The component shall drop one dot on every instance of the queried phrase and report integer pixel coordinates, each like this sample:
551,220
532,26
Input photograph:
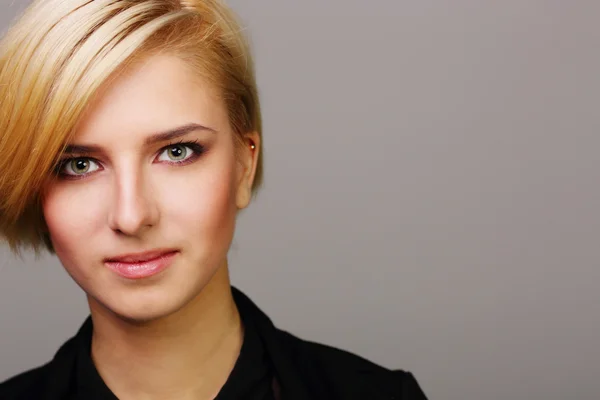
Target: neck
188,354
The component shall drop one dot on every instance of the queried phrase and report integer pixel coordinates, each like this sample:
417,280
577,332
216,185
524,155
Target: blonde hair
57,55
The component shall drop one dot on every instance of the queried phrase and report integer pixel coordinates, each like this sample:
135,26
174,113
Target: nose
134,207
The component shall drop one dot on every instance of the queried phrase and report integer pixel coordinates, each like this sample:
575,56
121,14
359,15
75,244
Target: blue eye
176,152
78,166
181,153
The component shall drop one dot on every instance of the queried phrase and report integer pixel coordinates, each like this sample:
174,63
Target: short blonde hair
57,55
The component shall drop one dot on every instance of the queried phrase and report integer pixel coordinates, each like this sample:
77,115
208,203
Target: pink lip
141,265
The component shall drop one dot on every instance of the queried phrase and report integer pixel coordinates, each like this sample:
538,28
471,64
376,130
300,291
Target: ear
248,160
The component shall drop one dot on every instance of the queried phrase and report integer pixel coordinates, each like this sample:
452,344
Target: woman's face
124,189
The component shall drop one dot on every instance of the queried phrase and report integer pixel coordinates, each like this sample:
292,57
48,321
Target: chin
150,299
143,304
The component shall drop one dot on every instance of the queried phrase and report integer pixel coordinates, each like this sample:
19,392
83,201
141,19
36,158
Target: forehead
154,94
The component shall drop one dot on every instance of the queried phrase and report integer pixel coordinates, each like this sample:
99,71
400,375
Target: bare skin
176,334
187,355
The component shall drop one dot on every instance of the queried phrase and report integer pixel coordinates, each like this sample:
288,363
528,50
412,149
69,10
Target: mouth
141,265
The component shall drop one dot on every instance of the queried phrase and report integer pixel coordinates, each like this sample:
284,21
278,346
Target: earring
252,145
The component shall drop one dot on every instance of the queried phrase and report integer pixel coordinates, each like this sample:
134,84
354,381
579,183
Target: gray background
431,197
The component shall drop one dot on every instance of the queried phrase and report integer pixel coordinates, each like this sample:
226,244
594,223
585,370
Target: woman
131,139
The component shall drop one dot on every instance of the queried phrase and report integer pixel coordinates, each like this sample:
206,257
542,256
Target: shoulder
20,386
318,371
347,374
48,381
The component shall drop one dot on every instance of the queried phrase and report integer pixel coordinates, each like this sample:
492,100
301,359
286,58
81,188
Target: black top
272,362
252,375
250,379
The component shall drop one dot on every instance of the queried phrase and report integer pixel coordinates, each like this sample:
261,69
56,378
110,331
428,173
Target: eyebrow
156,138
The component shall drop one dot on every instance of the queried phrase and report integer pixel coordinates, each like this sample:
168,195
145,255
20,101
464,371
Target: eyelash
197,150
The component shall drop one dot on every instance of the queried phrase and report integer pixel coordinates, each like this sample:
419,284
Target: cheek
202,207
72,215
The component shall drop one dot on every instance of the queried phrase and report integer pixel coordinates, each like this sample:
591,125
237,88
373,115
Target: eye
78,166
180,152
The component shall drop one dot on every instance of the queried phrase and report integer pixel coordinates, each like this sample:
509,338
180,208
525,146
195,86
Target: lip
140,257
141,265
